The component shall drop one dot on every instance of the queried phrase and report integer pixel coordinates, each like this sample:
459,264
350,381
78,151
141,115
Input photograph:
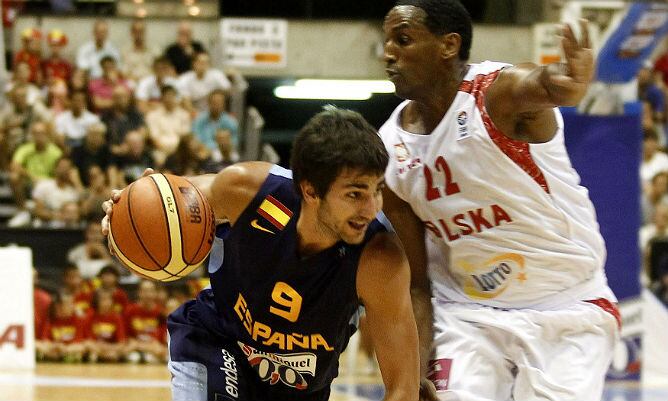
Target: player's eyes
403,39
353,195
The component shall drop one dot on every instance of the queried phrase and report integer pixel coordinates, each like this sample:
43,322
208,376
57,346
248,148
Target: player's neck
425,113
311,238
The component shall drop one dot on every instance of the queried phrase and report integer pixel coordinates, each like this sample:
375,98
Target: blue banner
632,42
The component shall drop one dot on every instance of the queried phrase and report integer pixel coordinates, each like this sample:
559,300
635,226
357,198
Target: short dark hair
167,88
108,269
446,16
107,58
331,141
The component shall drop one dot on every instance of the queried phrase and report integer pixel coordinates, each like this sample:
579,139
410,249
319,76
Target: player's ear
450,45
308,191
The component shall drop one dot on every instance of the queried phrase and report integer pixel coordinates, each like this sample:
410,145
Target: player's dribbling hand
107,206
578,69
427,390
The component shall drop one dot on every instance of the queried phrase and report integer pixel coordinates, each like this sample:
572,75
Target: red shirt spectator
30,53
65,330
56,67
42,301
144,323
108,327
108,276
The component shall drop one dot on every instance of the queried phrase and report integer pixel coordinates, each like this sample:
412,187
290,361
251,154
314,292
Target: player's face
351,204
411,51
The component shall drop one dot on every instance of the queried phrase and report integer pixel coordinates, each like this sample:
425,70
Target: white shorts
487,354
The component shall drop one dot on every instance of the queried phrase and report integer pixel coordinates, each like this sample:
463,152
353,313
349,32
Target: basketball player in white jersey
488,206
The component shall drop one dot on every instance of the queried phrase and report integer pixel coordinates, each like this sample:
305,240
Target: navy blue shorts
206,366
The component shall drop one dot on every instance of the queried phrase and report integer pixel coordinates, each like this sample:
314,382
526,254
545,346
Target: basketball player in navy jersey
298,254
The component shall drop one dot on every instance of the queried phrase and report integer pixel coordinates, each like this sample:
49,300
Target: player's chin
354,233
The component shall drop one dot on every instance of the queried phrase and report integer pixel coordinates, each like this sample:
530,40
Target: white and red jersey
507,222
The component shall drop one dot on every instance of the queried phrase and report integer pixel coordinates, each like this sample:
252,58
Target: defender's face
352,202
411,51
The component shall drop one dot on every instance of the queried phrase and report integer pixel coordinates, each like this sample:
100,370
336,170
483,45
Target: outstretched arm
520,101
383,282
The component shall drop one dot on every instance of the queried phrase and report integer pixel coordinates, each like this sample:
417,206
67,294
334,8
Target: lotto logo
439,373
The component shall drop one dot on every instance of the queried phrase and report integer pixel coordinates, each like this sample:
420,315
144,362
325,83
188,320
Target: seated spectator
136,158
102,89
654,160
16,117
655,194
218,130
57,99
56,67
106,330
148,92
70,217
95,194
20,76
192,157
30,53
81,290
79,80
181,52
91,255
146,327
121,119
653,100
93,152
52,194
91,53
196,85
167,124
41,304
108,277
137,57
72,125
32,161
64,333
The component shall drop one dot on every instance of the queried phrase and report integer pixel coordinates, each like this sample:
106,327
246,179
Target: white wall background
320,49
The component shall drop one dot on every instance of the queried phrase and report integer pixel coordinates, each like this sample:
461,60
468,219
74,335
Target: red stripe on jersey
609,307
279,205
517,151
270,219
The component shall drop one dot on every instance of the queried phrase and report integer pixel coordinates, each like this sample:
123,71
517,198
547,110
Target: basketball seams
178,215
136,268
136,232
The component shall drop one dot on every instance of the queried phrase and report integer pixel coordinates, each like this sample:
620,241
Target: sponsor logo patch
288,369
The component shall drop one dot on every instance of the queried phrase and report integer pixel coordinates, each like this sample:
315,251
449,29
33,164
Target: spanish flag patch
275,212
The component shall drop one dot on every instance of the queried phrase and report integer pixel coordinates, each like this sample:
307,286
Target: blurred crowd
72,129
653,238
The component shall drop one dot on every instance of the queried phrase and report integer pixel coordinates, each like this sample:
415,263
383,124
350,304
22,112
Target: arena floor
60,382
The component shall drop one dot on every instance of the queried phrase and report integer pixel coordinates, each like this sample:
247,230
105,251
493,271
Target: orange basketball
162,227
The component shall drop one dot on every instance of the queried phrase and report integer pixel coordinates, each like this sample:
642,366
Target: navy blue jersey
290,315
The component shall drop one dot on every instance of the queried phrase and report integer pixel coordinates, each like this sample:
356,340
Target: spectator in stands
146,327
148,92
655,194
181,53
81,290
167,124
16,118
56,67
196,85
21,76
51,195
121,119
657,228
70,217
653,100
73,124
57,99
109,276
660,286
93,152
91,255
91,53
132,164
64,333
192,157
661,67
32,161
654,160
31,54
79,80
41,303
137,57
218,130
102,89
106,330
95,194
